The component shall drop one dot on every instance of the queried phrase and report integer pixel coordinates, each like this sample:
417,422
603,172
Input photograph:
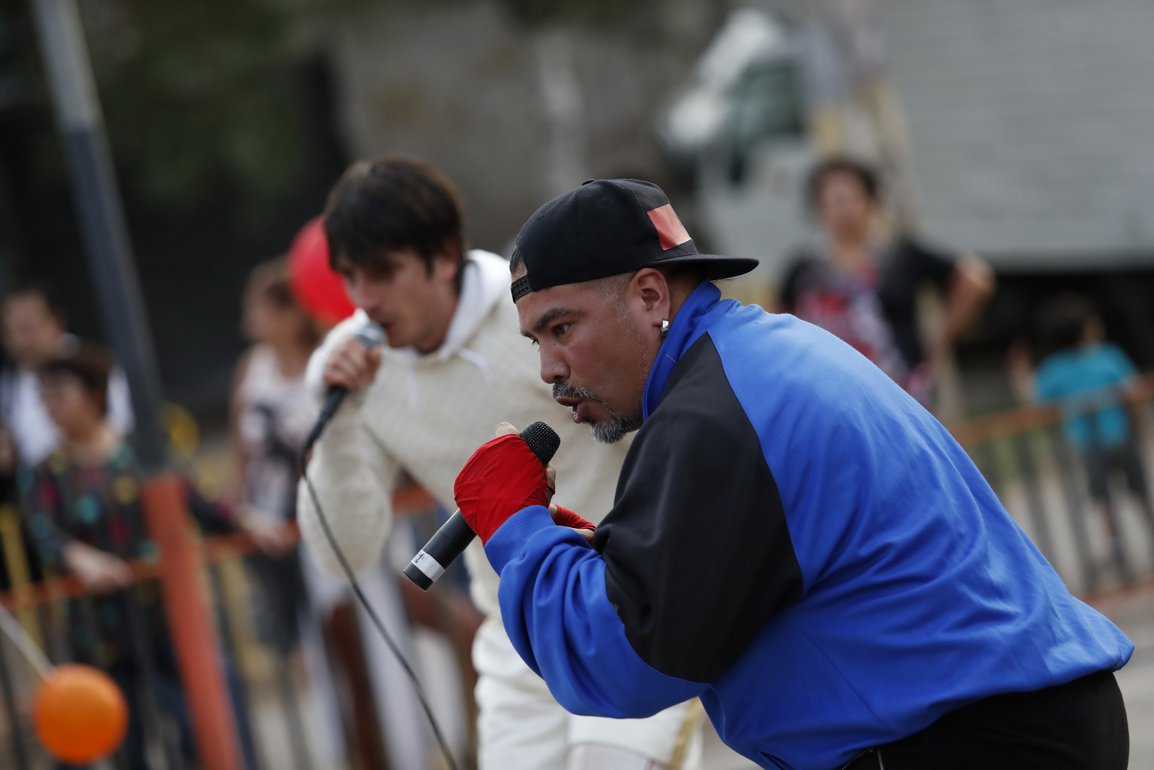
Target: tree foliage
199,94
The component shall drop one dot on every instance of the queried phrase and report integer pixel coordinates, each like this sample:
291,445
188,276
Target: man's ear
453,248
652,289
450,259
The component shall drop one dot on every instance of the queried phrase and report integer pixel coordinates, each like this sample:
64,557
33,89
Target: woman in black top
860,281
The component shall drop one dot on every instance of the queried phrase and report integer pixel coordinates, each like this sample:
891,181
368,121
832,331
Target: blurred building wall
461,85
1030,126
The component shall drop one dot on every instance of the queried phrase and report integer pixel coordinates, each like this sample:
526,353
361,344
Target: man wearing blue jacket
794,539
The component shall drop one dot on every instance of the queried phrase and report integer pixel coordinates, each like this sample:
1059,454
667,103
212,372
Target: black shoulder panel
698,554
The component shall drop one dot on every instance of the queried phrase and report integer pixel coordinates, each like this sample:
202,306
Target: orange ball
80,714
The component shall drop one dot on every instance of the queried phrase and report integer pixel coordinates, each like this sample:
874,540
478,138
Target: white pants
521,726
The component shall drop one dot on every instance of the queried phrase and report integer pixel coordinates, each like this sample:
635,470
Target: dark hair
516,260
272,281
865,174
42,290
393,203
1062,320
89,365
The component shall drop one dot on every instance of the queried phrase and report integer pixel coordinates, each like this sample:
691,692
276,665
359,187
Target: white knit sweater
428,413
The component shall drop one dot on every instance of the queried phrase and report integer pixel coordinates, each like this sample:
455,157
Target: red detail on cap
670,231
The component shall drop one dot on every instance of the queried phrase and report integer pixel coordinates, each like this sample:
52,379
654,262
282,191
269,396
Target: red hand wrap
567,518
501,478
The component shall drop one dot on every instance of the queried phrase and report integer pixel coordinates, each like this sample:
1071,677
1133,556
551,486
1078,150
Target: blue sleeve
560,620
1123,369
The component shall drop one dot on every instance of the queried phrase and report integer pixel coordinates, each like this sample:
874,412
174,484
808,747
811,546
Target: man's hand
352,365
561,515
567,518
98,570
501,478
508,429
272,538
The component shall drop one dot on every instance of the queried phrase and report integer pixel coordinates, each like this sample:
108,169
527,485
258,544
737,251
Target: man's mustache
565,390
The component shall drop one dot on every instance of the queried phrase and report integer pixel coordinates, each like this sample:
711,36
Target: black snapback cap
607,227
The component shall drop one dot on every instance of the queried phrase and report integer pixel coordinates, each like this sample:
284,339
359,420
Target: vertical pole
1067,461
238,691
826,82
1028,471
97,202
19,573
12,714
201,668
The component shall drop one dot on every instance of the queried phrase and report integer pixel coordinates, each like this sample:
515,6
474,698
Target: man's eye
560,330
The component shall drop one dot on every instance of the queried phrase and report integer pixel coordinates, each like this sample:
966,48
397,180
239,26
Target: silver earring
664,326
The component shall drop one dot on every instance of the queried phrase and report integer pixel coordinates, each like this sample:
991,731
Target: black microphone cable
377,622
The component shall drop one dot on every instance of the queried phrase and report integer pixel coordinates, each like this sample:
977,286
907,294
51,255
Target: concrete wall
458,84
1030,124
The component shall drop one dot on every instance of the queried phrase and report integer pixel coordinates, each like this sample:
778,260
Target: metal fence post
8,692
190,620
1037,508
1075,510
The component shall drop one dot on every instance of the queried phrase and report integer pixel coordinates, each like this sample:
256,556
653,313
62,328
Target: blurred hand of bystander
271,537
98,570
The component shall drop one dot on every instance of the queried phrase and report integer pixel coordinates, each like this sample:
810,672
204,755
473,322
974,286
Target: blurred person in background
34,331
9,499
859,278
453,366
271,413
1090,380
85,518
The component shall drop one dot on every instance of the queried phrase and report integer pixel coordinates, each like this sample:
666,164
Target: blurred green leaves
209,95
204,94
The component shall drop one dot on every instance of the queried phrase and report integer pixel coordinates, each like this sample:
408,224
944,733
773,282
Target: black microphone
454,536
370,335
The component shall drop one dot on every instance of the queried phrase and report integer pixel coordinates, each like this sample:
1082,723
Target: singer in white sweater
454,365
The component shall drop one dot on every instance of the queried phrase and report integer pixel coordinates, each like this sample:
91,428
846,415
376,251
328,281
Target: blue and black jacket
800,544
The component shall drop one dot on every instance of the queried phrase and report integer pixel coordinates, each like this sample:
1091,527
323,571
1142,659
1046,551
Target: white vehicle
1023,131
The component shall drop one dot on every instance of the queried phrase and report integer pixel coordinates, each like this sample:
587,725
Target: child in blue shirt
1089,379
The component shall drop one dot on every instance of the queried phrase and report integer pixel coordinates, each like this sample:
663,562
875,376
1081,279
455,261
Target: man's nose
553,369
360,295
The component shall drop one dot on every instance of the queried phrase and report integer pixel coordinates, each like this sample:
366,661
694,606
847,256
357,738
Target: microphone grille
371,335
543,440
